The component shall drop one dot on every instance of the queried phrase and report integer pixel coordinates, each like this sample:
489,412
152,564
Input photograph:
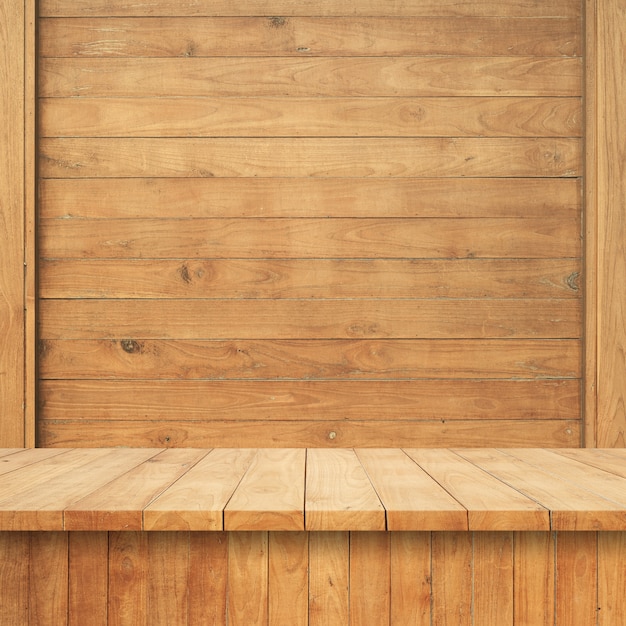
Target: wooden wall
313,579
309,224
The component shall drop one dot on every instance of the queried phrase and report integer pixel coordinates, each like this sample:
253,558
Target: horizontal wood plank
319,76
306,157
336,238
308,359
321,197
548,8
315,278
270,495
314,433
309,319
320,400
305,36
307,117
339,494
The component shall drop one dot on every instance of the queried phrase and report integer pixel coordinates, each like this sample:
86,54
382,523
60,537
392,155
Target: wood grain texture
208,578
550,8
321,197
306,157
452,578
577,566
549,571
329,578
248,578
119,504
534,578
276,401
270,495
411,578
311,238
304,278
128,577
288,587
308,36
611,224
404,489
47,598
345,359
490,503
293,117
314,433
12,216
322,76
339,495
199,497
88,585
611,577
273,200
168,563
492,571
310,319
370,578
14,577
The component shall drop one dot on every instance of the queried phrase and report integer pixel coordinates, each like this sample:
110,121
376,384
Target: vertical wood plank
30,221
611,578
370,578
576,579
88,578
247,578
12,331
493,578
410,578
611,190
533,577
168,567
14,569
452,578
590,224
48,585
329,578
208,576
128,578
288,578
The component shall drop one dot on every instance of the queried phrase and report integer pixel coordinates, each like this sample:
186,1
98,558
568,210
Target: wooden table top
312,489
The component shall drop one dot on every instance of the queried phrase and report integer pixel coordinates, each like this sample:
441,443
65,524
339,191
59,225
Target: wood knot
277,22
131,346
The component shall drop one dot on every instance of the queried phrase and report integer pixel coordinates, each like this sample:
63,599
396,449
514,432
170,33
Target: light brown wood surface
289,117
550,575
12,216
432,433
318,76
199,497
339,495
270,496
320,489
241,207
322,197
550,8
308,36
611,228
491,503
